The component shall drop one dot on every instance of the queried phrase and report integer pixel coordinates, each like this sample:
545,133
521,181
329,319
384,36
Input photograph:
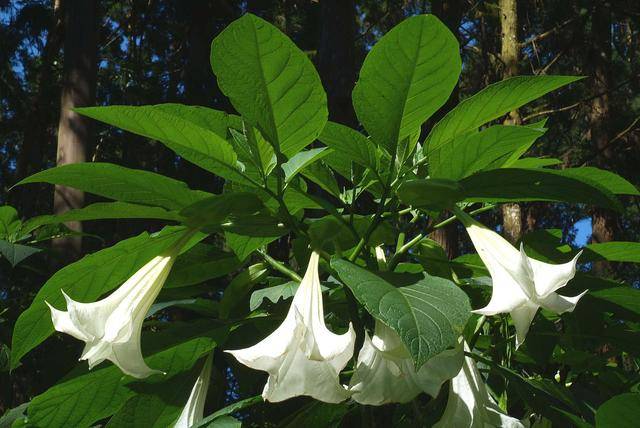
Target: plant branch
279,266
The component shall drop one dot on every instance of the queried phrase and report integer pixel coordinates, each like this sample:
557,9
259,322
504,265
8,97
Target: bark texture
604,222
78,90
509,52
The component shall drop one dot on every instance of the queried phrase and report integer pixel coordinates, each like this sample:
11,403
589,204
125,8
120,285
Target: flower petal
267,355
193,411
561,304
551,277
522,317
469,403
128,357
63,323
506,294
440,368
379,380
298,375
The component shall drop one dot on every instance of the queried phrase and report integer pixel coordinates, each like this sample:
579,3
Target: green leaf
201,263
15,253
195,133
474,152
273,294
243,245
85,281
93,395
301,160
533,163
120,183
318,415
101,211
12,415
491,103
9,221
215,209
271,82
431,193
350,143
429,315
231,408
607,179
621,411
622,296
406,77
225,422
613,252
239,287
252,147
536,184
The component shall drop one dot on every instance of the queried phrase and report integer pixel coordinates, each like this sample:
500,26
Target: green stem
280,267
421,236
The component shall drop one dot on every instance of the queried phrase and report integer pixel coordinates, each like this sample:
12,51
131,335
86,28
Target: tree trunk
449,12
604,222
39,116
511,213
78,90
337,57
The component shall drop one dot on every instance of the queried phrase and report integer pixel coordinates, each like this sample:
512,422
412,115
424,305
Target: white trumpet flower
469,403
193,411
521,284
302,356
385,372
112,327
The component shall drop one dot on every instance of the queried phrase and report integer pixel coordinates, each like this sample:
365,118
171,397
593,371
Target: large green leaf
195,133
491,103
429,314
536,184
100,211
273,294
85,281
613,251
350,143
82,400
201,263
239,287
271,82
622,411
607,179
474,152
301,160
408,75
120,183
431,193
213,210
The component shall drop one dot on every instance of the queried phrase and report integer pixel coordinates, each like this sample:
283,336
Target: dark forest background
58,54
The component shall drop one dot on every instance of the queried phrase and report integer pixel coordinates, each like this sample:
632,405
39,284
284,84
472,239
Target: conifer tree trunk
604,222
78,90
511,213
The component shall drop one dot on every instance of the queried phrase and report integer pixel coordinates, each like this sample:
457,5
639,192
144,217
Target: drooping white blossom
385,372
521,284
112,327
302,356
469,404
193,411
